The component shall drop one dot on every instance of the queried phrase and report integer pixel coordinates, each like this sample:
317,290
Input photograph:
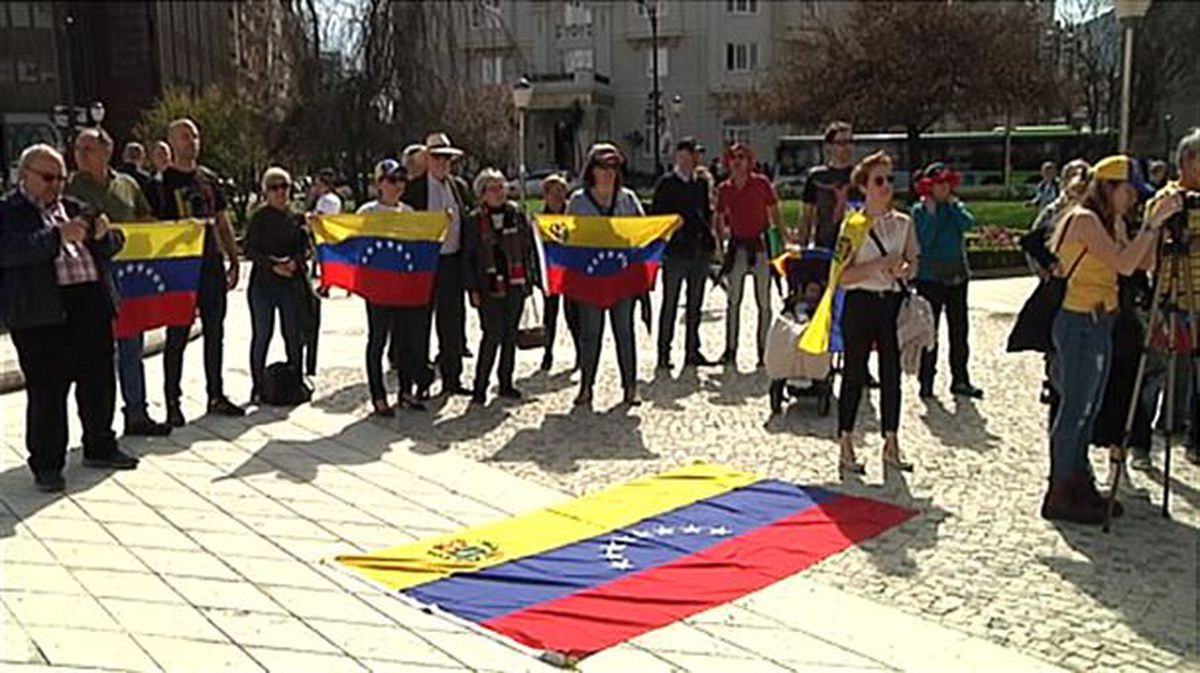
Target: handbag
1031,331
531,334
915,327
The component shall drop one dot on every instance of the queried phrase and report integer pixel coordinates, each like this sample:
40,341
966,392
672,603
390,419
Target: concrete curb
11,378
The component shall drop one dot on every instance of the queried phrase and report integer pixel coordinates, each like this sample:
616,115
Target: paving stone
183,655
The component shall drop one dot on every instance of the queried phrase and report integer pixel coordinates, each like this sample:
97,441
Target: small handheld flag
158,275
386,258
602,260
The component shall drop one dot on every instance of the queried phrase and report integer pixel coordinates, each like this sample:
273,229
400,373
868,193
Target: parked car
533,182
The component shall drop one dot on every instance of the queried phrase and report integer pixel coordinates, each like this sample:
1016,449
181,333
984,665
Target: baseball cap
1121,168
687,143
390,168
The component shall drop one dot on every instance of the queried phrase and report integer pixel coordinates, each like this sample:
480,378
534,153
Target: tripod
1172,284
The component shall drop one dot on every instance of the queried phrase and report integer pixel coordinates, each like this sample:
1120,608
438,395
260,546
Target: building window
741,56
28,72
662,62
660,8
741,6
492,69
485,13
43,15
20,14
733,132
577,13
576,60
7,76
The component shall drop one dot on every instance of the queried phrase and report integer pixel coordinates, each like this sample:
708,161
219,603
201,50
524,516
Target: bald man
192,190
58,301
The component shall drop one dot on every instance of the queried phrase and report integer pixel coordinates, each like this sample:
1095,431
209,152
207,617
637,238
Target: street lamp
1128,13
522,94
650,7
675,132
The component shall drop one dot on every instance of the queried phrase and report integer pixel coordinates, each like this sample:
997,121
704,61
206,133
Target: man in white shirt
328,202
438,189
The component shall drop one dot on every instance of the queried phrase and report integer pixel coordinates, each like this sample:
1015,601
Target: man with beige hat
438,189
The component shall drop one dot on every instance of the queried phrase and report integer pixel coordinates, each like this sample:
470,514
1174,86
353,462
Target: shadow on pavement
565,439
964,427
732,388
20,497
541,383
665,392
432,436
299,460
1145,569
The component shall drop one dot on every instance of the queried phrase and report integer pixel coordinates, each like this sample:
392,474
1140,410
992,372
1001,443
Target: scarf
501,239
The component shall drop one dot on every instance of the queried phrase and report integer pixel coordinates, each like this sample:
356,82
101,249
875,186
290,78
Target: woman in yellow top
1092,250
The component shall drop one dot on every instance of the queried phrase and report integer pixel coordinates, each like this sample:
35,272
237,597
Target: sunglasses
51,178
278,187
881,180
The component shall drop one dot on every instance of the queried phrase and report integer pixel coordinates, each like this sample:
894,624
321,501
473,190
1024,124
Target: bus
977,155
19,130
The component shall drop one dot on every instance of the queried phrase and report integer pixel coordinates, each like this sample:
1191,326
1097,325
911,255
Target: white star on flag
663,531
643,534
719,531
622,564
691,529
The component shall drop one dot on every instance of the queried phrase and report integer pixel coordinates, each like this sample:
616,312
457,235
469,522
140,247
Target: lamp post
1167,119
676,113
650,7
1128,13
522,94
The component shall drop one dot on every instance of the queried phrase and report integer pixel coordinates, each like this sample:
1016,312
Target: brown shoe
1067,500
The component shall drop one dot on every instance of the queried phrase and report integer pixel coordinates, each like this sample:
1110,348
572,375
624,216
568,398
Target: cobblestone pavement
201,559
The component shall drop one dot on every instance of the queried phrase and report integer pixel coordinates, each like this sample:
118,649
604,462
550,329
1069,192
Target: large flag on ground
158,275
602,260
386,258
598,570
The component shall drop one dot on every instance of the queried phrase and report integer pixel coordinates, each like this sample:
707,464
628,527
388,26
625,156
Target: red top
745,207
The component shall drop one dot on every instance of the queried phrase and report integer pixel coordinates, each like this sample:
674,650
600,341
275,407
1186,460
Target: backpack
283,386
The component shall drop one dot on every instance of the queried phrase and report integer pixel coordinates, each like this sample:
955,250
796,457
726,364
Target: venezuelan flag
817,337
602,260
386,258
582,576
158,275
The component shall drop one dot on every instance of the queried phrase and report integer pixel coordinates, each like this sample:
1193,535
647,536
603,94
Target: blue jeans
1082,355
132,375
266,296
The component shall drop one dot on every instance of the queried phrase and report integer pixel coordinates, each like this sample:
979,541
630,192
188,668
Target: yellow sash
815,339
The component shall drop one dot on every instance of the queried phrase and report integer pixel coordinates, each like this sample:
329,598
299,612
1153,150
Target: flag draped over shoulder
586,574
816,338
158,275
386,258
602,260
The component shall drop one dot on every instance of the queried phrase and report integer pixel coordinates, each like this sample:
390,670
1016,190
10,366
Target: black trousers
869,318
405,327
52,358
500,317
954,299
450,310
211,302
676,270
570,311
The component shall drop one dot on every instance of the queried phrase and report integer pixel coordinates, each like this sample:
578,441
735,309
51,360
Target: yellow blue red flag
589,573
386,258
158,275
816,338
602,260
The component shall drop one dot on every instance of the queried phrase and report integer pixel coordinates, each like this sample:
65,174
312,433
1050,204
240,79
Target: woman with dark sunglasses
873,280
278,245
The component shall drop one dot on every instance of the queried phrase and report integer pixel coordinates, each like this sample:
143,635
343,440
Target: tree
909,66
232,136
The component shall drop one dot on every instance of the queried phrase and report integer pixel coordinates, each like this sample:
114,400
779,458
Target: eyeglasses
881,180
278,187
51,178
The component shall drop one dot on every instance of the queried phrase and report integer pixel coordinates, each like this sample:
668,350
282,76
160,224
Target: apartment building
590,63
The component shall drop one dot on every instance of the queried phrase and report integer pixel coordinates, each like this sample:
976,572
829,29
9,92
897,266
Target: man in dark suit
438,189
58,298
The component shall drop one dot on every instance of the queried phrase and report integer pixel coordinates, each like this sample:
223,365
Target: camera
1179,232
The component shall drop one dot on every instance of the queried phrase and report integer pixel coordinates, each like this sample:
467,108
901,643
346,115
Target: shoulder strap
1079,258
878,243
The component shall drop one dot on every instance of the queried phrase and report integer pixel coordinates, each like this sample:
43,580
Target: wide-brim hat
1120,168
934,173
439,143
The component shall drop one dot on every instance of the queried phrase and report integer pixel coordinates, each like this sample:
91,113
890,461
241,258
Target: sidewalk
208,556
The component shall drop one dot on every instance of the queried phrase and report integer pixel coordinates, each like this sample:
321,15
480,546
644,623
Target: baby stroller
794,373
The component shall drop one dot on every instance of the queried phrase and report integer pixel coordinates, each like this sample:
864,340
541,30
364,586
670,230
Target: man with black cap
438,189
684,192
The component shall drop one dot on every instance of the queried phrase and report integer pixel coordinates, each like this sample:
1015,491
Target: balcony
560,90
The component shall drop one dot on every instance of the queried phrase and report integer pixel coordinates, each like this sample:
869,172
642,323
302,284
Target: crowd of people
59,296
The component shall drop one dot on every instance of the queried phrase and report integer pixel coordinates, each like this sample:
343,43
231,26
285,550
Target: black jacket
29,292
417,194
473,272
689,200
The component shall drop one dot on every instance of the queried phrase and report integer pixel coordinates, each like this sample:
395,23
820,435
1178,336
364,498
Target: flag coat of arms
157,275
386,258
817,338
601,260
589,573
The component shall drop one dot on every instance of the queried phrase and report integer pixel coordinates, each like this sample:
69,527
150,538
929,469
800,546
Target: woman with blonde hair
873,280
